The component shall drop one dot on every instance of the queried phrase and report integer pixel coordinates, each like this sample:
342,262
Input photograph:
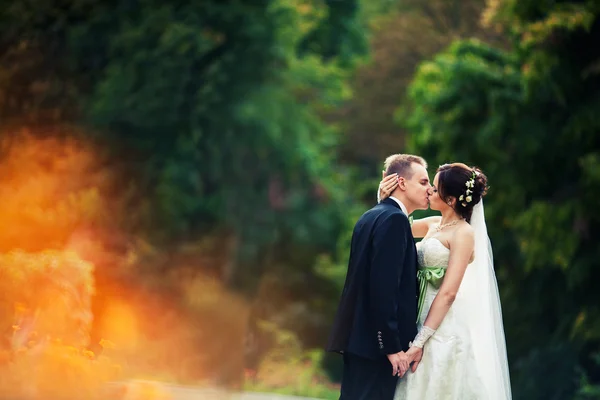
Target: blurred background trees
528,116
210,158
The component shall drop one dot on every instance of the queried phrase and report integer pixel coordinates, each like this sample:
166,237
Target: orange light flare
162,323
49,187
190,331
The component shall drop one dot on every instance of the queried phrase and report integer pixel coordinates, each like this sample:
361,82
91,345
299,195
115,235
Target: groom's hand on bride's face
415,354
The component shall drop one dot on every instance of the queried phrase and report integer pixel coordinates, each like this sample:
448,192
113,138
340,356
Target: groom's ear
401,182
383,174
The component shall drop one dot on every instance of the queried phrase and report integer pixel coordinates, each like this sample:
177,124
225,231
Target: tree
188,129
208,118
529,117
402,34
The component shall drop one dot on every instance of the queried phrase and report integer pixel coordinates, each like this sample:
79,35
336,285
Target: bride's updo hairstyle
467,185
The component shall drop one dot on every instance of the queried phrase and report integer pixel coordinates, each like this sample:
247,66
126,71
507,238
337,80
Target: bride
459,315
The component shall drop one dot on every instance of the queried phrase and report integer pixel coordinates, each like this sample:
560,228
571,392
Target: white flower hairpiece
470,184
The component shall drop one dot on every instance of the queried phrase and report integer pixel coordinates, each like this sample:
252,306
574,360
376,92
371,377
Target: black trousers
365,379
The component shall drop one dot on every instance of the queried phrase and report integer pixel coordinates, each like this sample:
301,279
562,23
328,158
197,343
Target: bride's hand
387,185
415,354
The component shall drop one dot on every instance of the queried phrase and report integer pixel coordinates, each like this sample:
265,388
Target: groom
377,313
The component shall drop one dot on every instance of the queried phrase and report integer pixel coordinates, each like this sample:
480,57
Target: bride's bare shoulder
464,233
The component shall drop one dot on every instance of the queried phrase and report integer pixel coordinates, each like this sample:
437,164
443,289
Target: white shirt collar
402,206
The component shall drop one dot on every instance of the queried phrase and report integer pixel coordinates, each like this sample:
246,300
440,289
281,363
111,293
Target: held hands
401,361
415,354
387,185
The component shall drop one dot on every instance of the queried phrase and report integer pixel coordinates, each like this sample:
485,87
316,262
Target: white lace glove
378,193
423,336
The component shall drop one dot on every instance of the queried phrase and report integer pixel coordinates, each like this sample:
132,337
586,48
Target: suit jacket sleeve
389,240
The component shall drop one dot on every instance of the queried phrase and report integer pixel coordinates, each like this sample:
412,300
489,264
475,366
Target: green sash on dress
433,275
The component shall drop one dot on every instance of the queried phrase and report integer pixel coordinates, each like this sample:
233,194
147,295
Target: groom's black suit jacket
378,308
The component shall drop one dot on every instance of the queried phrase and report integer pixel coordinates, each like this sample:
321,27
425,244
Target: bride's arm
420,227
462,245
461,250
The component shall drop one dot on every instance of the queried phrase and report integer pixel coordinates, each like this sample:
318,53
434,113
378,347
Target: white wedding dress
465,359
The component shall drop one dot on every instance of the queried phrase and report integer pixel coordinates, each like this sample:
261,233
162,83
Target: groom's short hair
401,164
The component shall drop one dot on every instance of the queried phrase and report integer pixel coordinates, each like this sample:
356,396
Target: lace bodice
432,253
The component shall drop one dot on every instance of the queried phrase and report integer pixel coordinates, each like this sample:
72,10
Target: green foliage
212,132
173,92
545,364
589,390
210,114
529,117
206,120
380,83
289,369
